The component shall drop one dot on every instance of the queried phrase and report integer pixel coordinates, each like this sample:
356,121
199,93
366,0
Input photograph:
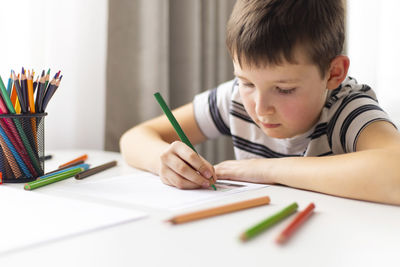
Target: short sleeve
211,110
352,114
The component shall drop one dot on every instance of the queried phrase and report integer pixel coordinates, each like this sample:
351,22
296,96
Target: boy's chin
278,135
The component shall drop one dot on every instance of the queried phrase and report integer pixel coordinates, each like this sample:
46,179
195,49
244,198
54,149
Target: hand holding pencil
181,166
176,171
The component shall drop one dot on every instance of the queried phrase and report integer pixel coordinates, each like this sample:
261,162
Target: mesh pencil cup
21,147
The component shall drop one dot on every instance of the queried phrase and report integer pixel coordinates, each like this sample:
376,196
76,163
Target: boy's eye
285,91
249,85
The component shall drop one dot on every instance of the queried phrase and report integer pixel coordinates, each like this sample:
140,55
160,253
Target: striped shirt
347,111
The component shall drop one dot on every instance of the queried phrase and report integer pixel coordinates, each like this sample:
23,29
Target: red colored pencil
295,224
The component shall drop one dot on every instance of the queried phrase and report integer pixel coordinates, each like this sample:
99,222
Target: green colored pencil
52,179
267,223
175,123
6,96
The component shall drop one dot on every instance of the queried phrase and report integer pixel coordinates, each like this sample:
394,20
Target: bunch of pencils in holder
22,109
21,89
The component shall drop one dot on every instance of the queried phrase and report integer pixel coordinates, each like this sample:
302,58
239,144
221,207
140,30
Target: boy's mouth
270,125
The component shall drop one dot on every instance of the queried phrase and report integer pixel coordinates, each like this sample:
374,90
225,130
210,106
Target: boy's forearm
141,148
372,175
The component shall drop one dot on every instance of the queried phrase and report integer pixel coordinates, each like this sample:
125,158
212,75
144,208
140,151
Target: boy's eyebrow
241,77
287,81
277,81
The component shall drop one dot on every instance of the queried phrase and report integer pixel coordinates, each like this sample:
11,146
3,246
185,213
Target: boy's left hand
249,170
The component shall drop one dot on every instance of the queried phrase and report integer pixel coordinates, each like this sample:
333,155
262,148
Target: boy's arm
372,173
148,146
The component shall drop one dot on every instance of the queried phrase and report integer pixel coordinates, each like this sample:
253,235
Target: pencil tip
48,72
23,70
42,73
280,239
243,237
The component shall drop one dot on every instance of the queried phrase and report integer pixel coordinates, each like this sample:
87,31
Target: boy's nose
264,107
265,110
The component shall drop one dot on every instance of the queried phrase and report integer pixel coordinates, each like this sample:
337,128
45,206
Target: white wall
373,38
66,35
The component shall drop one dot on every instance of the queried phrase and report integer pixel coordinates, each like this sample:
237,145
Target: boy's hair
263,32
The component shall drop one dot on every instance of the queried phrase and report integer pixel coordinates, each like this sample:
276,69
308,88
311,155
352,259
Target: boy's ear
337,71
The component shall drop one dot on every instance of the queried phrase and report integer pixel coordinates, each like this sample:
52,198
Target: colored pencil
175,124
13,96
52,179
39,92
267,223
5,96
58,171
20,94
46,82
47,157
75,163
95,170
16,142
58,81
295,224
35,84
9,85
12,155
206,213
83,157
31,99
31,102
24,89
9,155
49,93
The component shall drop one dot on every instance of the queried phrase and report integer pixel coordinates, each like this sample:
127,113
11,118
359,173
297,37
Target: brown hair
263,32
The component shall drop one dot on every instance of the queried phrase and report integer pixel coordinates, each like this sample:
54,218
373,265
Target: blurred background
114,54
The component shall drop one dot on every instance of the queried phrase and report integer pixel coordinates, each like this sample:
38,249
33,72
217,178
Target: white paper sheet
29,218
146,189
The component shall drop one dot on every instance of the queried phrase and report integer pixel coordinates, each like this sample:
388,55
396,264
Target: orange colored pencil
13,95
83,157
295,224
31,100
188,217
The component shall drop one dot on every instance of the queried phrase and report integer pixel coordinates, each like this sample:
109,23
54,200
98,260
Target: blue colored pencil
85,167
15,153
9,85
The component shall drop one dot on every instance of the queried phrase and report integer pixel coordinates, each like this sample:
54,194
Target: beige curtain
176,47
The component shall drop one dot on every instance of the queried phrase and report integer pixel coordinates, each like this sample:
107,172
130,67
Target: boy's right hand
184,168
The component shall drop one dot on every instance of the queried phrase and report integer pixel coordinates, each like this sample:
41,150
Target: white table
341,232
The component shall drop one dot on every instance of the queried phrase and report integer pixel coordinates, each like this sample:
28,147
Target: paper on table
29,218
146,189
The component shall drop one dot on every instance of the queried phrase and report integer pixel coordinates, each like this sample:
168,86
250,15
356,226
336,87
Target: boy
294,116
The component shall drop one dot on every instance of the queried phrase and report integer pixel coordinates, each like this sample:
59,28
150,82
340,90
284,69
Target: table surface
341,232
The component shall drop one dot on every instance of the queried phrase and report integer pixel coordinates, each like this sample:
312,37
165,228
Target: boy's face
284,100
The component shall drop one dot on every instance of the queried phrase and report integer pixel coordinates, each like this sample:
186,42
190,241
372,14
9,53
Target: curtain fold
176,47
